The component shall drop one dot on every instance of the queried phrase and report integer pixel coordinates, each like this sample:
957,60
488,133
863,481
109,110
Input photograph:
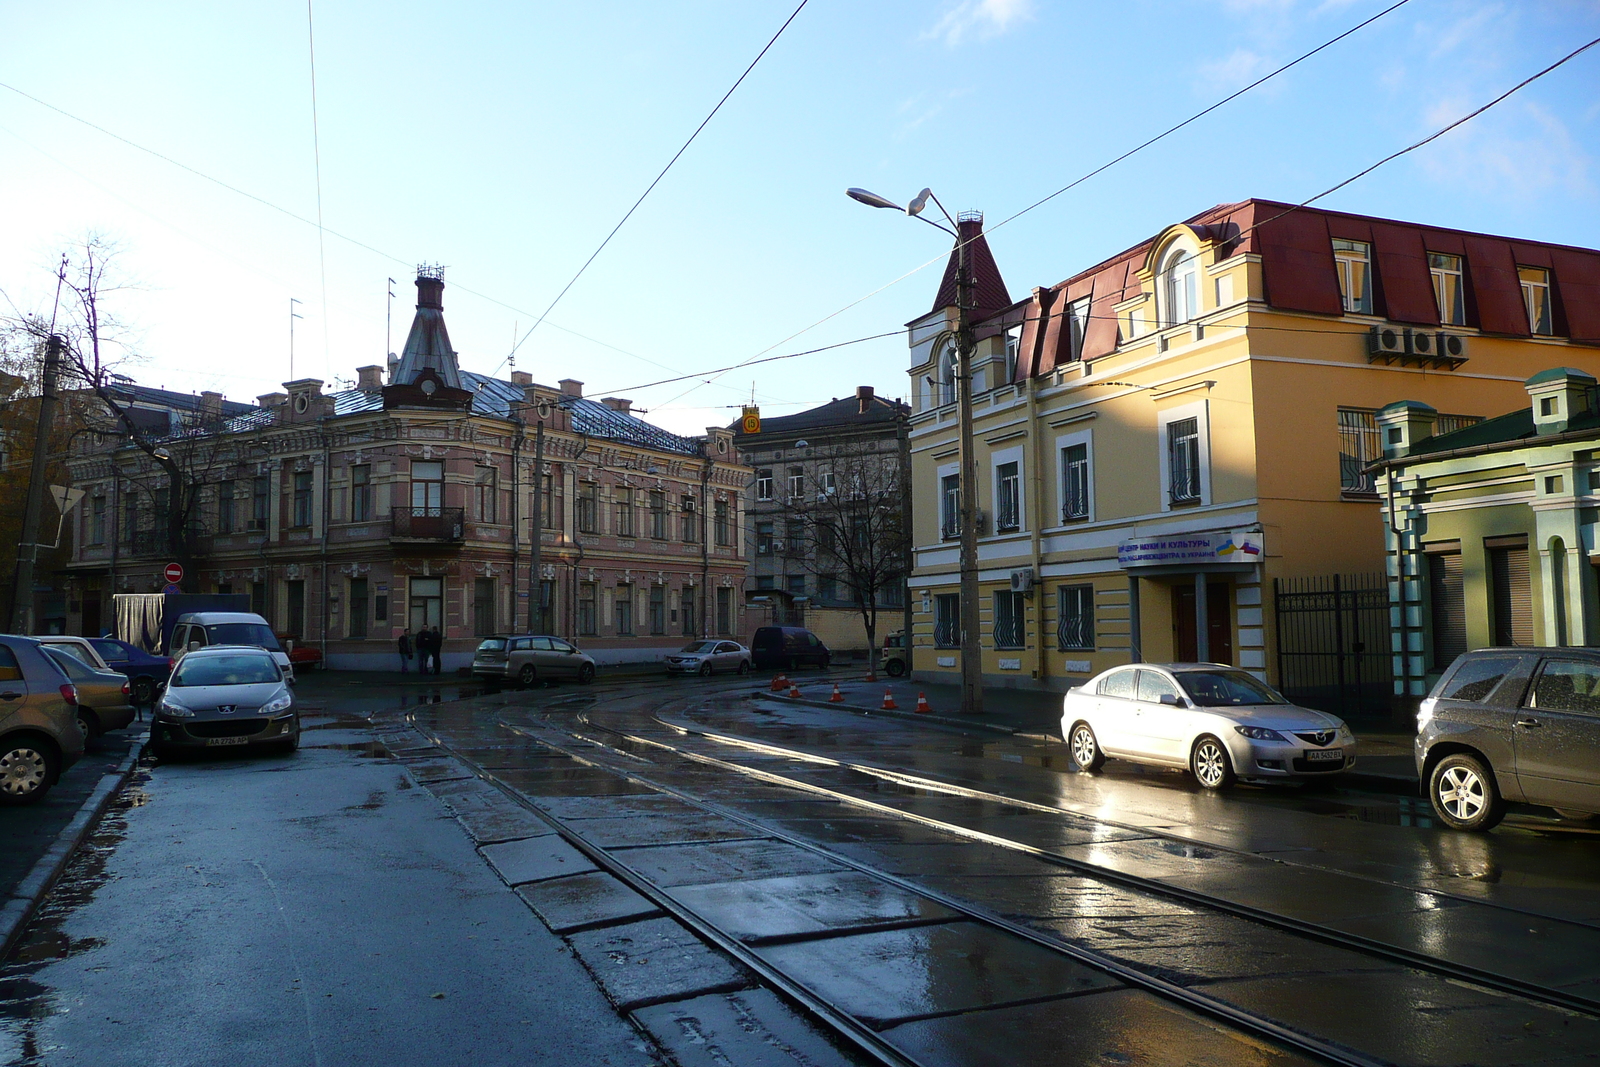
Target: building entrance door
1219,619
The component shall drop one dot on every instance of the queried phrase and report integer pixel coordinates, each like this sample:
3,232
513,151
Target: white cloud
979,19
1234,71
1528,152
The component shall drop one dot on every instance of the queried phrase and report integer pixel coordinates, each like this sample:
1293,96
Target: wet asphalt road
676,872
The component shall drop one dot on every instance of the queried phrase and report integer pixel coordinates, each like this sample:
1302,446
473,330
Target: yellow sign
752,420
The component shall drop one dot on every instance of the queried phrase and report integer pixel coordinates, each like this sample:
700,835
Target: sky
505,140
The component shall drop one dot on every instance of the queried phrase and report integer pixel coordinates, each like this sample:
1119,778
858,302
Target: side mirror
1173,700
195,646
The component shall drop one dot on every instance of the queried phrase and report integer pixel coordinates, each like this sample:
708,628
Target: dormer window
1353,260
1013,350
1536,298
1446,272
1178,287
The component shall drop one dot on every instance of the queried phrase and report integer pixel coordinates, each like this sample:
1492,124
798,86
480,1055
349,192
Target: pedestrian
435,646
405,651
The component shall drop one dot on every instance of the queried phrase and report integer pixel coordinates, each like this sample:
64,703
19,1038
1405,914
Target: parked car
75,646
39,733
103,701
707,657
1216,721
530,658
205,628
787,647
145,672
226,695
1512,724
893,656
302,657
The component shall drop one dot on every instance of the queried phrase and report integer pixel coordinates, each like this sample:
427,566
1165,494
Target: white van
201,629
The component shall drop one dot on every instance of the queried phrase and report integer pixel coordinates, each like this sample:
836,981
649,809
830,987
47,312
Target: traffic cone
838,697
794,690
778,682
888,700
922,705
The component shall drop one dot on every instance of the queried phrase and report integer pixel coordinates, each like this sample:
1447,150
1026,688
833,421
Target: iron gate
1333,643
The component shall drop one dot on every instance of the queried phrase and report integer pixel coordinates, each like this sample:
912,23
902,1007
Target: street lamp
971,654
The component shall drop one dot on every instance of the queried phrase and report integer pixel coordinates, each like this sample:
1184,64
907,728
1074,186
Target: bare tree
851,530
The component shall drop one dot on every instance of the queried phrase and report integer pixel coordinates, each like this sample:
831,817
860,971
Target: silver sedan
223,696
708,657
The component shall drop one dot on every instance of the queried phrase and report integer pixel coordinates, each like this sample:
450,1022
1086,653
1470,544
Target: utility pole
28,545
388,329
907,517
536,539
292,316
971,649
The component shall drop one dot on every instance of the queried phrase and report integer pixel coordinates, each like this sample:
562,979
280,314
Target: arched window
1179,290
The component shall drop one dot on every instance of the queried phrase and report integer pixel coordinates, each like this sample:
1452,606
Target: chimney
272,400
430,287
617,403
369,379
1559,395
210,406
571,387
1402,424
521,378
863,399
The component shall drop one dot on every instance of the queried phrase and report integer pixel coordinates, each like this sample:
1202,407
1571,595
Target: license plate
1325,755
227,740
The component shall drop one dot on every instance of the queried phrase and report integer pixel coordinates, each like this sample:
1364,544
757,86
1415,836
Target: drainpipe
907,517
705,540
536,536
516,520
327,514
1041,661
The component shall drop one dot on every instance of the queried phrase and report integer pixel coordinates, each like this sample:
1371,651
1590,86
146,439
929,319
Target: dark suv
39,732
1512,724
787,647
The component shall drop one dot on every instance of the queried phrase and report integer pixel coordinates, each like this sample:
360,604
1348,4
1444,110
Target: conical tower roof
428,345
988,288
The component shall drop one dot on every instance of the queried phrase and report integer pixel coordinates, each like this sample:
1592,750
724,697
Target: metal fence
1333,643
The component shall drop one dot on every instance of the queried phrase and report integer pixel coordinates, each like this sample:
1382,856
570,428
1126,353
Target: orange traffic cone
778,682
922,705
888,700
794,690
838,697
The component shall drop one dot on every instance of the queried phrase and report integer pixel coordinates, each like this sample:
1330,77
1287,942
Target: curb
31,891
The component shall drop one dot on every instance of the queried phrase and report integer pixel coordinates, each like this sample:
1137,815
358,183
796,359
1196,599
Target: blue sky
505,140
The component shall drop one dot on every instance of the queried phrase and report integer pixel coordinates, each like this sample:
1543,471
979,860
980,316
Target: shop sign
1238,546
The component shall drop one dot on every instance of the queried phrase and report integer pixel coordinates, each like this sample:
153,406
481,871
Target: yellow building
1172,444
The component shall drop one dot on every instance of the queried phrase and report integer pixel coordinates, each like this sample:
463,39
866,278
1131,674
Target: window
1510,593
294,618
765,582
1568,685
427,487
797,483
1008,497
361,492
356,622
794,538
1475,679
1074,617
1075,482
796,584
1121,684
1353,260
1183,460
830,484
724,523
1447,603
1358,446
724,611
764,483
763,538
691,618
483,613
1077,326
1179,288
1154,686
550,503
130,515
380,604
544,619
622,613
589,508
259,488
586,612
258,598
950,506
658,514
689,521
1009,625
487,485
1013,351
97,521
302,498
1446,271
947,620
427,603
1536,298
225,510
625,516
827,587
658,609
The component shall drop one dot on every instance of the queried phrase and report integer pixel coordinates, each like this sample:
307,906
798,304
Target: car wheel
1085,749
744,666
586,674
142,690
289,745
88,726
705,670
1210,763
527,676
1464,796
27,771
895,668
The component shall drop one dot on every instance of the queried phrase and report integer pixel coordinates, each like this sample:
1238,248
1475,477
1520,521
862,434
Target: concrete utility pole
971,650
536,539
28,544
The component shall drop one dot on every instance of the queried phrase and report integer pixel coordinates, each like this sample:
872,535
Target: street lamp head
919,202
870,199
802,443
161,454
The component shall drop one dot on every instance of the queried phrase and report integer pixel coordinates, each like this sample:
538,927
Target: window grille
1074,617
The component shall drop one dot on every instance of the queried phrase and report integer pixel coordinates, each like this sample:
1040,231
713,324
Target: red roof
988,288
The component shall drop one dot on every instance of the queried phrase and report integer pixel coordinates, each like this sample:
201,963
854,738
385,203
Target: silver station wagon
527,659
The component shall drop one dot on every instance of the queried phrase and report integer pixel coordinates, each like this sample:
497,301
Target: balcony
435,525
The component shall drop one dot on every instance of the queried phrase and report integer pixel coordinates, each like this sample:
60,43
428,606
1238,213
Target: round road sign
173,573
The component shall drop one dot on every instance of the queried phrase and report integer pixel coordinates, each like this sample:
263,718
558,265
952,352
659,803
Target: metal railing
428,524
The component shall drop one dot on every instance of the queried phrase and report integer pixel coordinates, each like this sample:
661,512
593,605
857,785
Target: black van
785,647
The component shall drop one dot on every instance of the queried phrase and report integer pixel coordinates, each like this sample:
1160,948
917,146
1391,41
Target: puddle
1391,811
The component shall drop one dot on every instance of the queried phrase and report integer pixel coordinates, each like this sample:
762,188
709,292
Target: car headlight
1260,733
173,711
281,702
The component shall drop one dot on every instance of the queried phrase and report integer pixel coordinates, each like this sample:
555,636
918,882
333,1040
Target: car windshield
1217,689
241,669
700,646
242,633
75,651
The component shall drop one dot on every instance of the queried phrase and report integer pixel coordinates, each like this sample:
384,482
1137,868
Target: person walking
405,650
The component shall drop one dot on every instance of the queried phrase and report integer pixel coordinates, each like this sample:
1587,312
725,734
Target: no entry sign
173,573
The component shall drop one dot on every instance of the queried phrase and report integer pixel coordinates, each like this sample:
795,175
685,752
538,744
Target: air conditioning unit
1452,345
1422,343
779,545
1385,341
763,550
1022,580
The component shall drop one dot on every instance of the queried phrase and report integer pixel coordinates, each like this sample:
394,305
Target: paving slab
770,908
1304,894
654,961
579,901
437,768
1156,857
748,1029
1123,1026
534,859
953,858
616,807
568,781
1052,895
661,829
724,861
486,813
894,975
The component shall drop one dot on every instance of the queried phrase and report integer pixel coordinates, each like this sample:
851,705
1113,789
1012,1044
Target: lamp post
971,653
